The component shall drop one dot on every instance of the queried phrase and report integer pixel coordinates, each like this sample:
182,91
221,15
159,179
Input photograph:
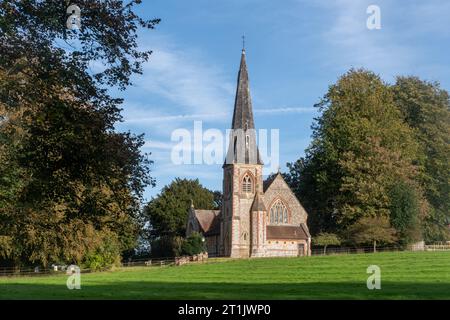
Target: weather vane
243,42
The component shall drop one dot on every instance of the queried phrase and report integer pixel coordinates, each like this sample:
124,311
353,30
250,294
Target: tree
72,184
166,246
436,227
361,147
425,107
217,199
326,239
370,230
167,213
405,209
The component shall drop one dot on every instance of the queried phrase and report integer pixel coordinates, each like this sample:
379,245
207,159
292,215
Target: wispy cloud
352,44
427,17
187,79
177,117
158,145
213,117
282,111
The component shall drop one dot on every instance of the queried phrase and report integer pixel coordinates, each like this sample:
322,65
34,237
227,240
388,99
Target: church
258,218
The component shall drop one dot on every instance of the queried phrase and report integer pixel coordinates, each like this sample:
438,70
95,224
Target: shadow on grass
186,290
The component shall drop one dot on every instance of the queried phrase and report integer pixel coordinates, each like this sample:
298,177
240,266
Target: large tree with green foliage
70,184
361,147
167,213
425,107
404,212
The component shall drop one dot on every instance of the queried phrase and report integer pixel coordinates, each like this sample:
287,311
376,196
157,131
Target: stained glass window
278,213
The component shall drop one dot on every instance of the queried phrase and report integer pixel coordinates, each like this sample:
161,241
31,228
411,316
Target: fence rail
437,247
320,251
62,269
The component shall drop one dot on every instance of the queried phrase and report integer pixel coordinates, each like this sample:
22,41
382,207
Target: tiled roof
287,232
243,114
258,204
209,221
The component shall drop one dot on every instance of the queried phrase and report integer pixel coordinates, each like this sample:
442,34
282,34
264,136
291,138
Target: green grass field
404,275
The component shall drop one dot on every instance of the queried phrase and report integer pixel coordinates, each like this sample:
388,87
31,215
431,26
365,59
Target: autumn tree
70,185
372,230
361,147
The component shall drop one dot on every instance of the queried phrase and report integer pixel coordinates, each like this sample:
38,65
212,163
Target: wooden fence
62,269
437,247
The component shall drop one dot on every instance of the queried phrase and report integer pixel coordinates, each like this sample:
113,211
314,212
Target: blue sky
295,50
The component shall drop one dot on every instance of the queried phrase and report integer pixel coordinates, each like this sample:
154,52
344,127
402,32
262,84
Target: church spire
243,148
243,113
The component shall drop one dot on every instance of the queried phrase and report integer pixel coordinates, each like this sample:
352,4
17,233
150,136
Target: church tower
243,212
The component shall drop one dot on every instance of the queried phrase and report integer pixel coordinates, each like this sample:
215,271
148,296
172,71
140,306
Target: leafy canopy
167,213
68,180
369,230
361,146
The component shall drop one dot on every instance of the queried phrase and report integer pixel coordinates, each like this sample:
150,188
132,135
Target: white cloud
144,118
187,79
176,117
273,111
158,145
352,44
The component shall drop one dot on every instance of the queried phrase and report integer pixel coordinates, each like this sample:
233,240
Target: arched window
247,184
278,213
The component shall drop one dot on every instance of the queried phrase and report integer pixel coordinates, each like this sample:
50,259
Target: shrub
192,245
105,255
326,239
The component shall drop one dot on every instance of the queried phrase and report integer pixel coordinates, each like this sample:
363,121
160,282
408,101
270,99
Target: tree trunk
374,246
324,250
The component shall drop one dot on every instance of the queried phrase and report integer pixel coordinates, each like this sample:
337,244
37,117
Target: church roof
287,232
258,204
209,221
270,179
243,113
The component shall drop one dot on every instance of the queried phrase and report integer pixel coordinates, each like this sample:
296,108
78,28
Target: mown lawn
404,275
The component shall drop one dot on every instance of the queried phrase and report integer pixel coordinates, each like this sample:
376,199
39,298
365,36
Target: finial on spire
243,43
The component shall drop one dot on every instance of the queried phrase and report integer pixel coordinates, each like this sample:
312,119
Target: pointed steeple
243,148
243,113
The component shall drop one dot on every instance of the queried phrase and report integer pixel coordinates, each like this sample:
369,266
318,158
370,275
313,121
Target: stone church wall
285,248
280,190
